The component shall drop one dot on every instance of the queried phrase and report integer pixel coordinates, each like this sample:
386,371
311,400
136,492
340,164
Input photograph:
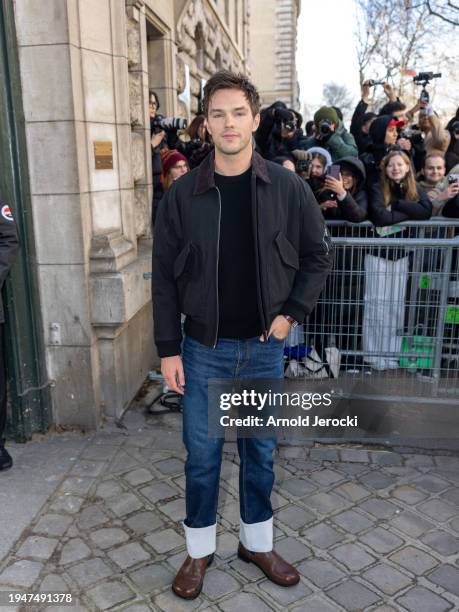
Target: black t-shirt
237,285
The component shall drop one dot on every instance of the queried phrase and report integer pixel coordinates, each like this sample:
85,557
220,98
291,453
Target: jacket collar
205,179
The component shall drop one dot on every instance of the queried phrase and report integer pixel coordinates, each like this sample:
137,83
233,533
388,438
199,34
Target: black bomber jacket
292,248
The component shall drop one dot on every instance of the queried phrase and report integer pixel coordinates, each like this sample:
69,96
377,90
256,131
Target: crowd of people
392,165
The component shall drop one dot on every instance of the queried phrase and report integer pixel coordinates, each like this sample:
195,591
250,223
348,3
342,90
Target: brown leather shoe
272,565
188,581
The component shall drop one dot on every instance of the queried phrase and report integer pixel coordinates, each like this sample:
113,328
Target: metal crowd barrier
389,314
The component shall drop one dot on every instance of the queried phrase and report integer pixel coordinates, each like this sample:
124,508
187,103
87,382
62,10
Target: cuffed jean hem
257,537
200,541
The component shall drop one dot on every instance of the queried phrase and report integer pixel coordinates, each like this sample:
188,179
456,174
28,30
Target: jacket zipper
216,269
257,246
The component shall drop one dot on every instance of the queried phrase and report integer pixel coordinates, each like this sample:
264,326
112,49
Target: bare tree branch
397,35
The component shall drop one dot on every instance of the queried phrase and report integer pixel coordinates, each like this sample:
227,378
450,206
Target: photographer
442,190
362,119
318,161
279,132
331,134
195,144
157,136
164,134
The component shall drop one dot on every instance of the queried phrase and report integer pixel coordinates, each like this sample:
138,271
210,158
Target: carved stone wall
138,104
219,44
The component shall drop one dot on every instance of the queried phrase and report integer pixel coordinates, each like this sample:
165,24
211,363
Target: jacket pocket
183,260
284,265
287,252
188,277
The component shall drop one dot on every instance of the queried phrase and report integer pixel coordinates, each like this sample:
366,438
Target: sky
326,49
326,52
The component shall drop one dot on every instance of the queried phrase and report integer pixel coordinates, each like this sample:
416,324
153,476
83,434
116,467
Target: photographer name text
271,421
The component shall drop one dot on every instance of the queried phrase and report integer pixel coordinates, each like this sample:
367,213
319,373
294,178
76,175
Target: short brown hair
224,79
434,153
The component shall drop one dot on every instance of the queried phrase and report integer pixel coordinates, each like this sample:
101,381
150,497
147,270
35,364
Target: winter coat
399,209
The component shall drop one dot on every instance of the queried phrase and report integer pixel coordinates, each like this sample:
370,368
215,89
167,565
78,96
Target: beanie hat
326,112
169,157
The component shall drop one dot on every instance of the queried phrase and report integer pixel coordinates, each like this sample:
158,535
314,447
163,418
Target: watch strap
291,320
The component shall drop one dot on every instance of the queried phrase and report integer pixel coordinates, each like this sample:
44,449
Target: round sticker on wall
6,213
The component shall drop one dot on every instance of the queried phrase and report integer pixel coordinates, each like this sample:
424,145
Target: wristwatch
291,320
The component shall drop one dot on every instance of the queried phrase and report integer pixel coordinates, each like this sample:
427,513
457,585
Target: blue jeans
233,359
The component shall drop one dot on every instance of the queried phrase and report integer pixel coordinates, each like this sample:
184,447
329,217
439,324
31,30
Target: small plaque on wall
103,153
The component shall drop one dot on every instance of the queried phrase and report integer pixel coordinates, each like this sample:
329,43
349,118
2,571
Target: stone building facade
85,68
272,64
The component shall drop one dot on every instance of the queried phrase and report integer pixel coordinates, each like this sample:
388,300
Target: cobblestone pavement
367,529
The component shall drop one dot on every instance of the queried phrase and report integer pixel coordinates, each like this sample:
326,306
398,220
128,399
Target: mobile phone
334,171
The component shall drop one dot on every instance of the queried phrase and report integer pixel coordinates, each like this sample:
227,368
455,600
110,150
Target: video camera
168,124
424,78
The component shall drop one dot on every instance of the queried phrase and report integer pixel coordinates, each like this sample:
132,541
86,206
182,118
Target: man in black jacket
8,247
241,249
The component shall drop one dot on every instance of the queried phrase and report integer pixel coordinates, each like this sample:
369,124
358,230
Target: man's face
434,169
391,135
230,121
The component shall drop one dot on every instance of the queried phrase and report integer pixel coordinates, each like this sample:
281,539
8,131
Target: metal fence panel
389,314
